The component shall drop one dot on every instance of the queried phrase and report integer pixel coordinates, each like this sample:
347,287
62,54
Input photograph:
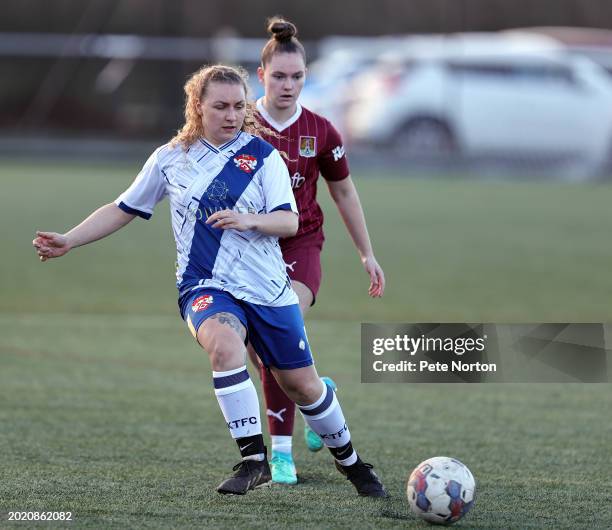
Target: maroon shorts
302,257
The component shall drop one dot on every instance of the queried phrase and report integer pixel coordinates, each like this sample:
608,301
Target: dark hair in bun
281,30
282,39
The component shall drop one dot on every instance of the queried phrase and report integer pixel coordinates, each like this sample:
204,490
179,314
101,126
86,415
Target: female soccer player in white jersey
230,201
313,147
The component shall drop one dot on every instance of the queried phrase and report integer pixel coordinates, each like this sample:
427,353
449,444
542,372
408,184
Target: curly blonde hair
195,90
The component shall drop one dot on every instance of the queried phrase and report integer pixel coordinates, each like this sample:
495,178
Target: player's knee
305,392
218,359
224,352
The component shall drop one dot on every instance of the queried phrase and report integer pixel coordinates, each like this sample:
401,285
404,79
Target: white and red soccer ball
441,490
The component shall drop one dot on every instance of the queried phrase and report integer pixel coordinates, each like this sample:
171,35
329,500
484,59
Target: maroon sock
280,410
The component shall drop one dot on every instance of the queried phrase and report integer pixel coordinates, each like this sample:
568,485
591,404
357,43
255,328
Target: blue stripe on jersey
133,211
209,146
221,147
222,193
283,207
287,286
226,145
230,380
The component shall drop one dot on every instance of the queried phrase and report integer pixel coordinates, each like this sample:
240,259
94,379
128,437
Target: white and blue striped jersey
247,175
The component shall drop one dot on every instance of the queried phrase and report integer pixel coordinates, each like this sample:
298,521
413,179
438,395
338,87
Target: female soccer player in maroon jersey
312,147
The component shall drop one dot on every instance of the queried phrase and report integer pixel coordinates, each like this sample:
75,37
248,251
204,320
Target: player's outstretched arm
345,196
281,223
101,223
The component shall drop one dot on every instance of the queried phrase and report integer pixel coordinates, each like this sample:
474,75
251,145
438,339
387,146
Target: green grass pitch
106,405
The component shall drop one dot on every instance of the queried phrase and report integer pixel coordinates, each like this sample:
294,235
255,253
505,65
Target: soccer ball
441,490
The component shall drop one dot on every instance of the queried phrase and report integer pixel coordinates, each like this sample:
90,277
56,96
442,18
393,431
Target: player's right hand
50,245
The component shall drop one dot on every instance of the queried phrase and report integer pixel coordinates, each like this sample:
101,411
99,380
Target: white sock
281,444
325,417
238,400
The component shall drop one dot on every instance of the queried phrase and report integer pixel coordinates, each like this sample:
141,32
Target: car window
549,73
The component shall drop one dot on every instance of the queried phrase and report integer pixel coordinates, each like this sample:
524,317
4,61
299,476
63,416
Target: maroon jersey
312,146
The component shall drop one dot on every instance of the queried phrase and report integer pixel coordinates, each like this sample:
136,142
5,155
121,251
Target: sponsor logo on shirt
217,191
297,180
201,303
308,146
246,163
338,152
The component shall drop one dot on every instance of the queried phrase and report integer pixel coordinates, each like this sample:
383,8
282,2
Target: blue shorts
277,333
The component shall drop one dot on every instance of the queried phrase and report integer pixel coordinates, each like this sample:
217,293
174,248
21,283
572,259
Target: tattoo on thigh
232,321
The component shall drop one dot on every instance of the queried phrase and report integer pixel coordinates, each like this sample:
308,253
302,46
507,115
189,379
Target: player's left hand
231,220
377,276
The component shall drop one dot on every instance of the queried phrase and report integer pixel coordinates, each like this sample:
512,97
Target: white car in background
328,80
483,94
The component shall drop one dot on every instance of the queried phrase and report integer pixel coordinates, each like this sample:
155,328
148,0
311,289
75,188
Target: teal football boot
283,468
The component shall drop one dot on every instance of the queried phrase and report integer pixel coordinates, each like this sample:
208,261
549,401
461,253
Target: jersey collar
221,147
278,126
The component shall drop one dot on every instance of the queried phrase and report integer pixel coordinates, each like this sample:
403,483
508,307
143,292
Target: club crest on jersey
246,163
308,146
201,303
